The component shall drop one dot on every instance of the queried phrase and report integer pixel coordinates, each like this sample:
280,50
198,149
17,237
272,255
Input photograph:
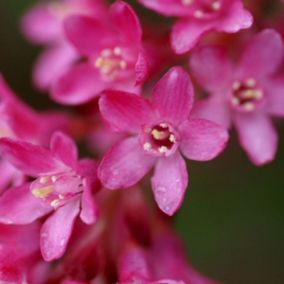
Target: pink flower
159,130
43,24
113,48
200,16
163,262
20,121
19,252
62,187
246,94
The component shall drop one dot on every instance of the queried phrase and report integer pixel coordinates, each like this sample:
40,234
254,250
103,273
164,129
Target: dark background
232,220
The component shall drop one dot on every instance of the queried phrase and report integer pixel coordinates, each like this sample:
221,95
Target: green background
232,219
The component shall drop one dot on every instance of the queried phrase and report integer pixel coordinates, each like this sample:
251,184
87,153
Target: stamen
147,146
54,202
163,149
216,5
186,2
198,14
44,180
42,192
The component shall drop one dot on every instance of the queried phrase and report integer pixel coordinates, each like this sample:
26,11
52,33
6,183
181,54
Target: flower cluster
130,88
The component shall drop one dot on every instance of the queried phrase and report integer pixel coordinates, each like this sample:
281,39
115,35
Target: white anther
258,94
235,101
61,196
198,14
53,178
147,146
186,2
106,52
163,149
248,106
43,180
216,5
122,64
54,202
236,85
117,51
163,125
172,138
250,83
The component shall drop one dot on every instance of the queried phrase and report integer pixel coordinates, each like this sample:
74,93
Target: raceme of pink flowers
140,98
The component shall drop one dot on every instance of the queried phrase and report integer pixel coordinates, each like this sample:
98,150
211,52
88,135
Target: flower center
110,62
160,139
246,95
55,190
203,8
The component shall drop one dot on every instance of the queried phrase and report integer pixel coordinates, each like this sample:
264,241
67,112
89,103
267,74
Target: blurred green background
232,221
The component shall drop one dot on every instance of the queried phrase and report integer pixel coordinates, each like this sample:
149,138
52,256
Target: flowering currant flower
17,120
245,94
163,262
115,58
200,16
159,130
62,188
43,24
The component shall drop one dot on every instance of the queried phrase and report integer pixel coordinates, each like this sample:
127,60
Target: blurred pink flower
43,24
115,56
158,129
62,187
246,94
200,16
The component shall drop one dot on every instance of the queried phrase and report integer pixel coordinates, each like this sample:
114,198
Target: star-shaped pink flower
62,188
159,131
196,17
245,94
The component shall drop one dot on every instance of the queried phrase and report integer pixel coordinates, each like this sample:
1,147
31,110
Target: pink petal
186,33
40,25
64,148
275,96
237,18
124,164
169,183
19,206
32,159
203,140
57,229
78,85
211,68
126,22
133,266
166,7
257,136
142,67
87,168
52,63
258,62
173,95
124,111
214,109
89,210
87,34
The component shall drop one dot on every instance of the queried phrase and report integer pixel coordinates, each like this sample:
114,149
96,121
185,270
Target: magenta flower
163,262
43,24
200,16
246,94
113,48
20,121
159,130
19,252
62,187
